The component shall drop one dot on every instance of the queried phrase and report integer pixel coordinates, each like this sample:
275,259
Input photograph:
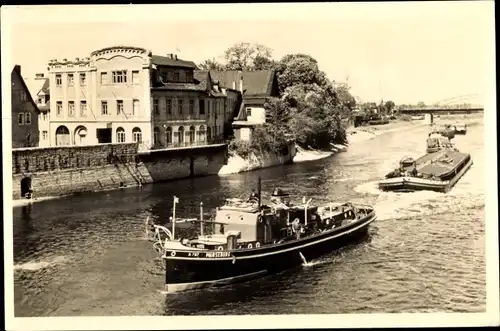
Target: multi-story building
256,88
126,94
40,93
24,113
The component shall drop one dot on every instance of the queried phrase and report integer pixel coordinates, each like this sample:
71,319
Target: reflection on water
87,255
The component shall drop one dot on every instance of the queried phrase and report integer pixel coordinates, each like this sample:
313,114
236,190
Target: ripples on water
87,255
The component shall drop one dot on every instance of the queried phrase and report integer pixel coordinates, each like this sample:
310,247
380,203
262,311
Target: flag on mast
176,199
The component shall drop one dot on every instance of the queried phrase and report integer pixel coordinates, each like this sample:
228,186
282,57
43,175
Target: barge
250,239
459,128
439,170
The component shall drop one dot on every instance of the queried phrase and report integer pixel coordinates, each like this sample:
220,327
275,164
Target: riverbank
25,202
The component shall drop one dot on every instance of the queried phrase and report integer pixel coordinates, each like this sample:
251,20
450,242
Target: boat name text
210,254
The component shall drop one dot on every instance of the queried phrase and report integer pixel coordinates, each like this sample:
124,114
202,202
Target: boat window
228,216
241,218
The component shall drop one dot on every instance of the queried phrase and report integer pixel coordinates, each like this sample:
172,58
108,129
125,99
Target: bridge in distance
454,105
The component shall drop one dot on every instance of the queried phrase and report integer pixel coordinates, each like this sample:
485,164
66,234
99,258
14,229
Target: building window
104,77
120,135
249,111
202,106
191,134
23,95
119,107
58,108
177,77
137,135
135,107
28,118
202,135
156,135
180,135
20,119
83,79
119,77
83,108
71,108
58,80
104,108
156,108
45,135
181,105
169,106
44,116
71,80
135,76
191,107
168,136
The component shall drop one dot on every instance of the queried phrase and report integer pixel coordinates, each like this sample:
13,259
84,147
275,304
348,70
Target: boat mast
259,192
201,218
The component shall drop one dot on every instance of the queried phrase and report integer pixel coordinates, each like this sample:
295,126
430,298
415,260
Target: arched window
120,135
202,134
80,135
156,136
209,134
137,135
168,136
62,136
180,135
191,134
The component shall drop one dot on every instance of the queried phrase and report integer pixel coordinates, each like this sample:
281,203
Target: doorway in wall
103,136
25,186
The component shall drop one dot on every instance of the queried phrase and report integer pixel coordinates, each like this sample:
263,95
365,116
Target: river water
87,255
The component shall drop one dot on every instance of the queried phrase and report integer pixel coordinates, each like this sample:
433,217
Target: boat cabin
436,142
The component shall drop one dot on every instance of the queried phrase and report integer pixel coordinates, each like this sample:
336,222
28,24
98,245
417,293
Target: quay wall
253,161
64,170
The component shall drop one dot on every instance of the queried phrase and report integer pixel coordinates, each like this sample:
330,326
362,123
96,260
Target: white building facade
104,98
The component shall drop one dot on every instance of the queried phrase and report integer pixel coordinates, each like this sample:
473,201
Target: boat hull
192,270
411,184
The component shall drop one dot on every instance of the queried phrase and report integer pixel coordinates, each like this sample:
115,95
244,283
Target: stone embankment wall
64,170
237,164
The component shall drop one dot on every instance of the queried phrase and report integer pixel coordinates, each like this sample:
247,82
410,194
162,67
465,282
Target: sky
405,52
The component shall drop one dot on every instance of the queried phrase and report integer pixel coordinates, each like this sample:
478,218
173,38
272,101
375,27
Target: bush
264,140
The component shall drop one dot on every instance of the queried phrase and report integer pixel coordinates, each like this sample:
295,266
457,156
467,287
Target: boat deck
443,164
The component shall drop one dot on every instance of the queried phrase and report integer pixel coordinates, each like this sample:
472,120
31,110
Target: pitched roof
17,71
203,77
166,61
37,85
255,83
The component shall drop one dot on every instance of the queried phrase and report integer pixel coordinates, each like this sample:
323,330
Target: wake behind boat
438,170
249,239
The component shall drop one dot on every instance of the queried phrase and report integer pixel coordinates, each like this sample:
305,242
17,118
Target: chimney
234,85
241,82
175,56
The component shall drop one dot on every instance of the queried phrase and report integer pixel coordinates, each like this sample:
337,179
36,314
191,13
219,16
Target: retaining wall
57,171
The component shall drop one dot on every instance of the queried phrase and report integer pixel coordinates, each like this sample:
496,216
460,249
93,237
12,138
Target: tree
346,101
211,65
263,63
295,69
248,57
389,106
421,104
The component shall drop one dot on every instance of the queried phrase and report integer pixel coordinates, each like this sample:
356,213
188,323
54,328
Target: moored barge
439,170
251,239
